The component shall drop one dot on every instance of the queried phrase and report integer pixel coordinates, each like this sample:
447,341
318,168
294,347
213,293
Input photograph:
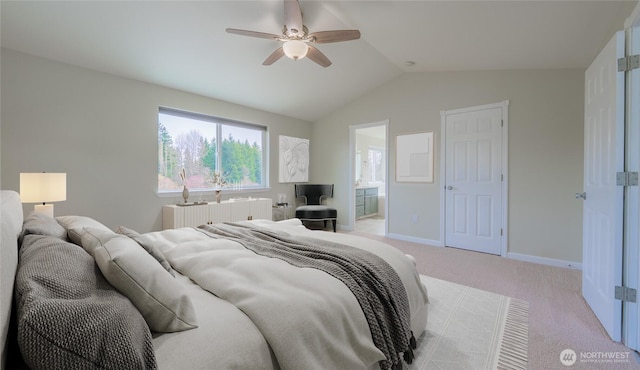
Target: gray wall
102,131
545,152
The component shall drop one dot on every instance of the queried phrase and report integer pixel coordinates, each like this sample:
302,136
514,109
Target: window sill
209,193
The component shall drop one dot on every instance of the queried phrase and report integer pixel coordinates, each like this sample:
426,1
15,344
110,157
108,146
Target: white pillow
147,245
137,275
75,225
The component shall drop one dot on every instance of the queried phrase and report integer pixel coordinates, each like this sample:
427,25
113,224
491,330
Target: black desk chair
314,210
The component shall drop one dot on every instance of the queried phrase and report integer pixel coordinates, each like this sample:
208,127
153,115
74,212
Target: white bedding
309,319
227,337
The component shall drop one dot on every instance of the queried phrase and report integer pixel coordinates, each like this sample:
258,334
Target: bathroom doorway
370,149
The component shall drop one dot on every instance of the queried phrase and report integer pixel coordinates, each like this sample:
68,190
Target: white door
473,178
603,204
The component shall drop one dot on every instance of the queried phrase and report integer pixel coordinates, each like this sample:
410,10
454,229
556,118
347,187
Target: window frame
220,123
372,172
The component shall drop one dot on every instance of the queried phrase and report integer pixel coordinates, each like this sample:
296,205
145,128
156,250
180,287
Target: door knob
449,187
582,196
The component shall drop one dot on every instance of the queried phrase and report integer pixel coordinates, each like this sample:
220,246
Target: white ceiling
183,44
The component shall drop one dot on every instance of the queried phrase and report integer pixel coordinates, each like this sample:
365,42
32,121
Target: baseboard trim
515,256
545,261
434,243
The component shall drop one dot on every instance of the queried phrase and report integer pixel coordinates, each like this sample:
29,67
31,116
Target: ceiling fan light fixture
295,49
296,39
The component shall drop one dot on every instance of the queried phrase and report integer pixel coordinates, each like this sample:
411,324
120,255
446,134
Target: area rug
469,328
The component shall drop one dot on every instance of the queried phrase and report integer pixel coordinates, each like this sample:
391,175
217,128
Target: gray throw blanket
374,283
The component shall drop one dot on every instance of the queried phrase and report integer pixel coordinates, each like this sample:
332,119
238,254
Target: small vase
185,193
218,195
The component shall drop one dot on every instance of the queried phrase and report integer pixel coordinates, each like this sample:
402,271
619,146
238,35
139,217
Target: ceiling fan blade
324,37
261,35
315,55
293,16
277,54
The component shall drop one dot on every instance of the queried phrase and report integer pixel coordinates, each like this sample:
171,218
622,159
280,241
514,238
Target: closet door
603,200
473,172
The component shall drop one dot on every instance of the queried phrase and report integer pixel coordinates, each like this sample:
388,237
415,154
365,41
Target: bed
257,294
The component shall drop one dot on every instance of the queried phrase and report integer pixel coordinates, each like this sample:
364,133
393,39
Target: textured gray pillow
137,275
75,226
41,224
147,245
70,317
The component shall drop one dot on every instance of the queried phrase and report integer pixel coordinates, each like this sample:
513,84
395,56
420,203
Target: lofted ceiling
183,44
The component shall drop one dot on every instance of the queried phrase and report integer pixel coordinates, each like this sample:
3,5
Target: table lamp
43,187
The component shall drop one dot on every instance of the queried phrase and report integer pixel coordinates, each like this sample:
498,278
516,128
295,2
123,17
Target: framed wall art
294,159
414,157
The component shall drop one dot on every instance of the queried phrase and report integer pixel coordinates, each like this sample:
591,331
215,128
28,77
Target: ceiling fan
296,37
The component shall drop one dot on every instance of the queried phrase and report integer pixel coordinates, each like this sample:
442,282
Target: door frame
631,239
352,170
504,190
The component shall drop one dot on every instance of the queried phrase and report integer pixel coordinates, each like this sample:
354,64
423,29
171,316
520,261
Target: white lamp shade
295,49
43,187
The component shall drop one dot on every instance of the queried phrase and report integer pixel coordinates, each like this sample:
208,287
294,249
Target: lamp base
46,209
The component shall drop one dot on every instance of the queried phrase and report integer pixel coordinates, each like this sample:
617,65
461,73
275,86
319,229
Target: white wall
102,131
545,151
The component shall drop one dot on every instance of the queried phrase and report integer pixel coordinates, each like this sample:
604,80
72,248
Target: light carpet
469,328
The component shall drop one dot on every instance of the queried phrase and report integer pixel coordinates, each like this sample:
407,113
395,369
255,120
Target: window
205,146
376,164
